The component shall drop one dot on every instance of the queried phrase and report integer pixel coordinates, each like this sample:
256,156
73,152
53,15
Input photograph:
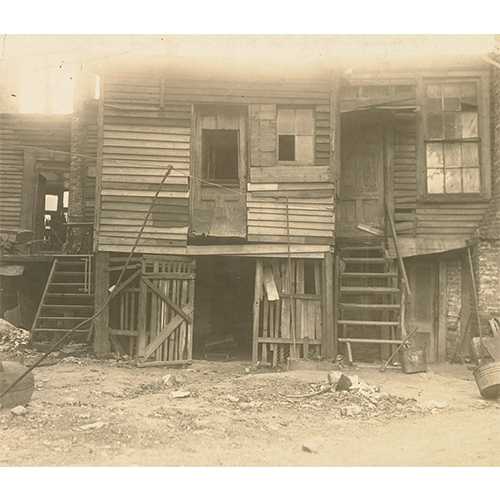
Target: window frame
313,135
481,78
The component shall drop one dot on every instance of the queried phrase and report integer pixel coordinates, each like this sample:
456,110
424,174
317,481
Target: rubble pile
13,340
352,397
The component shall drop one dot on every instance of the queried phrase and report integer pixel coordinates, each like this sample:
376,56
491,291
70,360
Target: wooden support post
102,345
256,310
141,324
329,334
442,311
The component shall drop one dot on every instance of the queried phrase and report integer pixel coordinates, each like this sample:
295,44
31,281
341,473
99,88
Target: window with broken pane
296,135
452,138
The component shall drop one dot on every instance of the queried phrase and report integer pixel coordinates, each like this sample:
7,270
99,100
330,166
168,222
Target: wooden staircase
67,299
370,305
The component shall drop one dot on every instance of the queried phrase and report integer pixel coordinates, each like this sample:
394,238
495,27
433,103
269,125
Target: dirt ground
91,412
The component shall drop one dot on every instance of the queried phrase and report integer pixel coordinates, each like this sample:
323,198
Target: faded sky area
38,72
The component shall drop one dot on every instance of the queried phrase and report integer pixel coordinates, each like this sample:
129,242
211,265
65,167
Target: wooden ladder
67,299
369,296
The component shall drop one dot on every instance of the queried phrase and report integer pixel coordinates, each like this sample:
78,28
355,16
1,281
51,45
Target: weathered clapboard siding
11,175
405,176
311,217
40,133
142,135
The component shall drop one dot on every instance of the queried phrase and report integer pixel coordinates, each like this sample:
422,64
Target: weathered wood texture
294,319
141,137
41,133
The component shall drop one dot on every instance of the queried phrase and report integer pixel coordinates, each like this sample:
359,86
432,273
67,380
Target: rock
93,426
19,411
343,384
233,399
169,380
434,404
180,394
334,377
307,449
350,411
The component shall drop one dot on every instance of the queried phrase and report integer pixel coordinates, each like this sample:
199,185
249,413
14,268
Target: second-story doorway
218,207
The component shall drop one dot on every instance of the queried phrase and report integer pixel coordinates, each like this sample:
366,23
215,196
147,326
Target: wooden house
311,209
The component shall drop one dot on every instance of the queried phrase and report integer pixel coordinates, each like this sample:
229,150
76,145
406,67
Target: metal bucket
488,380
414,359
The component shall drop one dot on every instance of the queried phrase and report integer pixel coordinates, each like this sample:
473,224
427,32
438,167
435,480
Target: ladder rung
68,273
69,283
369,275
370,341
368,289
369,323
349,305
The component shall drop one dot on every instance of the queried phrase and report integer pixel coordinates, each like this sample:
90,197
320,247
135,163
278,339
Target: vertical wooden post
256,310
29,190
442,311
102,344
141,326
329,334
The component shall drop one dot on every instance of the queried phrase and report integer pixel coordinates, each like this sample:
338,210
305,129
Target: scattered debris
181,394
351,411
169,380
233,399
13,340
434,405
19,411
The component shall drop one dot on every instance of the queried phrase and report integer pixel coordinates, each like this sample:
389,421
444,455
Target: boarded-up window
452,138
296,135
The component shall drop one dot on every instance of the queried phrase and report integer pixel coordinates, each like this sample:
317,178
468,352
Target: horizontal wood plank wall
11,175
309,188
143,134
405,177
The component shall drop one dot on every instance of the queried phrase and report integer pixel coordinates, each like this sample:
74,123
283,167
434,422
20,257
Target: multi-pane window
296,135
452,138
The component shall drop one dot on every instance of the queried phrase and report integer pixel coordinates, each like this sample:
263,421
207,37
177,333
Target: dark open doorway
223,308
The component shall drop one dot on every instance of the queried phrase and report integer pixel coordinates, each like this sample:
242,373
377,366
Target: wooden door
361,193
218,194
166,305
423,308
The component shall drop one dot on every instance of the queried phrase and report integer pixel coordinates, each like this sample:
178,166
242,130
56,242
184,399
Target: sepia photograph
249,250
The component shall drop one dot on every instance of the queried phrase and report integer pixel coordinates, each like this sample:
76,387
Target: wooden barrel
22,392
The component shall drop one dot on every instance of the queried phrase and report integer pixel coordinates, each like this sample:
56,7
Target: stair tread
365,260
68,294
369,275
65,273
369,289
59,330
360,248
64,317
68,306
352,305
367,322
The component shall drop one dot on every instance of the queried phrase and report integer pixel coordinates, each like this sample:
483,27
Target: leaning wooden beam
162,296
166,332
147,364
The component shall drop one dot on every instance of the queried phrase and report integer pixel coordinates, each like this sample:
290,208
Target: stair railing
42,299
401,265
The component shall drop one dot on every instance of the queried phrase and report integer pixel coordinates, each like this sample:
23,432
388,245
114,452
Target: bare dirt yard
92,412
